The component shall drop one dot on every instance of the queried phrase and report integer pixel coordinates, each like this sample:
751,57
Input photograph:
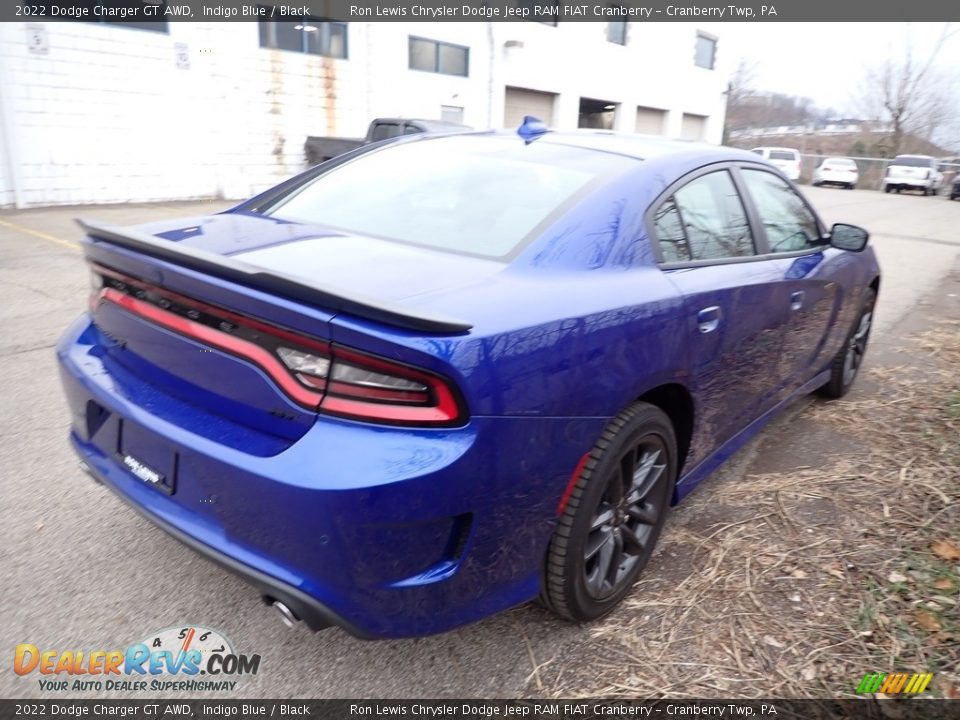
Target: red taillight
314,373
369,387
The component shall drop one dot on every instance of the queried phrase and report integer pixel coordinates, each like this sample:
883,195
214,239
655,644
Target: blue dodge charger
442,376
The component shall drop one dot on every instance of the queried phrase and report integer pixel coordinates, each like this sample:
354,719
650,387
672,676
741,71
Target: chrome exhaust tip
287,616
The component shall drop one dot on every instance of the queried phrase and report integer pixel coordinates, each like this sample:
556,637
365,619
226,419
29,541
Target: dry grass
813,577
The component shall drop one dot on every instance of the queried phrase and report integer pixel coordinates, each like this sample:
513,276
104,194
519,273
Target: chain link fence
872,171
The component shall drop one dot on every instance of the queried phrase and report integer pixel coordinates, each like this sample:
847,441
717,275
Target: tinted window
382,131
617,32
704,220
782,155
470,194
705,52
789,224
913,161
670,235
306,34
438,57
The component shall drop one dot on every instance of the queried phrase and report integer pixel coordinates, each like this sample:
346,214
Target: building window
706,51
153,22
438,57
617,32
310,35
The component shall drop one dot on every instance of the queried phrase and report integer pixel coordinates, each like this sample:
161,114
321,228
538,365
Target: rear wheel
614,515
846,363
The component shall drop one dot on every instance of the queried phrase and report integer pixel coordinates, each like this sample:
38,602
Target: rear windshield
912,161
479,195
782,155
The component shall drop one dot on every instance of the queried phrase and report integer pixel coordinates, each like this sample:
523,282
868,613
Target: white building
97,112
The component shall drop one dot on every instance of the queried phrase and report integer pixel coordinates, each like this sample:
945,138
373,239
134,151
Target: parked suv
787,159
913,172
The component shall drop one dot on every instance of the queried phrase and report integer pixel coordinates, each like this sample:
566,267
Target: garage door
519,102
694,127
650,120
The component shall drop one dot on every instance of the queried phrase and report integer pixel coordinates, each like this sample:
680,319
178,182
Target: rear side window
382,131
704,220
782,155
913,161
471,194
788,222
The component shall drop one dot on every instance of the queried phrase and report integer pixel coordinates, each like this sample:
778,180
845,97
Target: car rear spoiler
252,276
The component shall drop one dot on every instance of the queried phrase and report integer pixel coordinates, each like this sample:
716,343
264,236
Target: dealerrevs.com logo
187,658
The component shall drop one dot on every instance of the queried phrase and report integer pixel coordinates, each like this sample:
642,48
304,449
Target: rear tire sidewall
571,598
837,387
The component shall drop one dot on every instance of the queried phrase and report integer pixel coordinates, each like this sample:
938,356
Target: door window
789,223
704,220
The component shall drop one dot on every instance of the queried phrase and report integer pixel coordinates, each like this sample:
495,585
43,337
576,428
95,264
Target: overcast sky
827,61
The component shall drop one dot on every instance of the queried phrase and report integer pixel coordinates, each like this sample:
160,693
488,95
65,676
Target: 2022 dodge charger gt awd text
437,378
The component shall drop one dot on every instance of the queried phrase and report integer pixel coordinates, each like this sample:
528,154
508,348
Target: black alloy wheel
614,515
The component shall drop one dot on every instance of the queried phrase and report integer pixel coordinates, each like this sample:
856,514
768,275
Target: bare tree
911,94
739,89
749,108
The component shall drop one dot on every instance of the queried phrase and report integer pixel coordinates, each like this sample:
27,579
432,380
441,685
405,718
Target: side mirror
848,237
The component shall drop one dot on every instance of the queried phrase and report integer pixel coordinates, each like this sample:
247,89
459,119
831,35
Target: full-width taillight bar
314,373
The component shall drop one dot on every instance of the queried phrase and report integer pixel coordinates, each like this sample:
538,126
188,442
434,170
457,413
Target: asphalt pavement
81,570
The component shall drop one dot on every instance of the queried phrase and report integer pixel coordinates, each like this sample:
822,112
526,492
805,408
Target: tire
846,363
887,188
606,534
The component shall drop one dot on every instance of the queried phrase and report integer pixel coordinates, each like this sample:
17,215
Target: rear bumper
316,615
909,183
386,532
834,178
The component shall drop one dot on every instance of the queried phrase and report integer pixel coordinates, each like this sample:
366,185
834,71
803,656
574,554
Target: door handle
796,300
709,318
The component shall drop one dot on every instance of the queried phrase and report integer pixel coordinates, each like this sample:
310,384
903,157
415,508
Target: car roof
634,145
909,155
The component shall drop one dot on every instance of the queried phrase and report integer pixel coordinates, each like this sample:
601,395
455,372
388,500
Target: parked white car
913,172
840,171
787,159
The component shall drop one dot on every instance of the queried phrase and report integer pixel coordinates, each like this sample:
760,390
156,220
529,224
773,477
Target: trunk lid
232,314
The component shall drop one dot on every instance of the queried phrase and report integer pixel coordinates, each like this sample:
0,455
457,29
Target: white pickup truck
913,172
